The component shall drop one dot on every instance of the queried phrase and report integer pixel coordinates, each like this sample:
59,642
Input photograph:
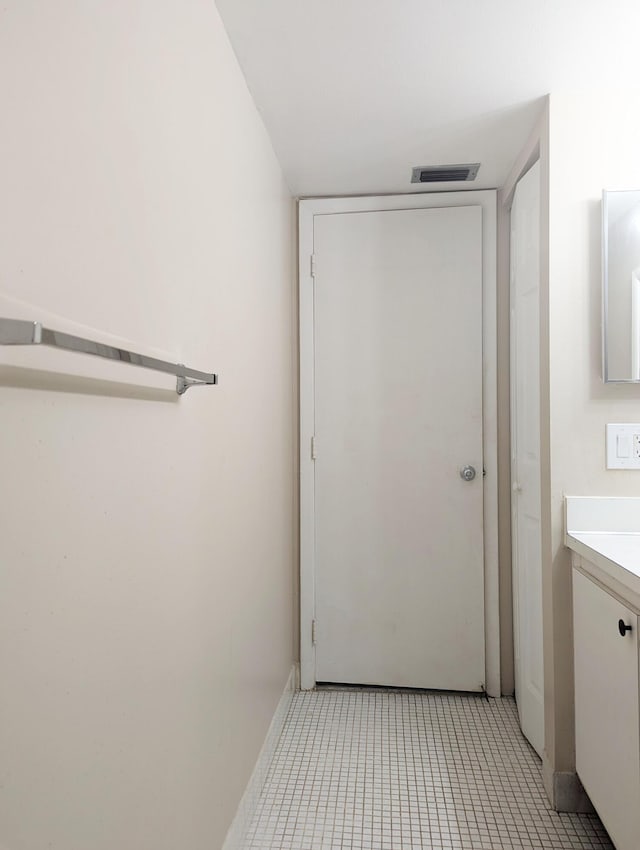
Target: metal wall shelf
20,332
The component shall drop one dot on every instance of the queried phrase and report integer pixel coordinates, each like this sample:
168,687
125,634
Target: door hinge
313,632
314,453
313,265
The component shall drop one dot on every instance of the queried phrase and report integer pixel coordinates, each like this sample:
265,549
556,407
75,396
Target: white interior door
399,595
525,455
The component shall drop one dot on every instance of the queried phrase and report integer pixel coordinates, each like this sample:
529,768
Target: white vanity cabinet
607,705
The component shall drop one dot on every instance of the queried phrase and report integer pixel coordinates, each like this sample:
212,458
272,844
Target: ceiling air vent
444,173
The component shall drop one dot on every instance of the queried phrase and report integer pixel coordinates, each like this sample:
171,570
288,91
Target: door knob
467,473
517,488
623,628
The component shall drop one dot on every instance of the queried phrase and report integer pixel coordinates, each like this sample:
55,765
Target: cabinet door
607,709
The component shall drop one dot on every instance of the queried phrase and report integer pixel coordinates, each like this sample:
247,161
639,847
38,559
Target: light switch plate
623,445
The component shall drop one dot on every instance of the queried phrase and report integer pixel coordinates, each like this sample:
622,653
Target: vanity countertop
605,533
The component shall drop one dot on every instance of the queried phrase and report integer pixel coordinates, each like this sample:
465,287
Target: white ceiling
356,92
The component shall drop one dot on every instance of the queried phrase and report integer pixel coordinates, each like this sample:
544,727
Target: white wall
146,543
593,146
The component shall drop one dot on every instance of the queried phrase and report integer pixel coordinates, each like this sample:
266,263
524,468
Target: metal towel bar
19,332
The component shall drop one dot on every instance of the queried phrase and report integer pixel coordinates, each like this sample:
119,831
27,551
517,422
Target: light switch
623,445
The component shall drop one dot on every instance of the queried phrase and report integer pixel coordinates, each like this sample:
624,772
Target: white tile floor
391,770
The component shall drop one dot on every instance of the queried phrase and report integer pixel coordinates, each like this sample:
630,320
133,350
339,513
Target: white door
525,455
398,413
606,697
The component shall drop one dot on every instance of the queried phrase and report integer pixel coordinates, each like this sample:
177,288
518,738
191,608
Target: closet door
525,456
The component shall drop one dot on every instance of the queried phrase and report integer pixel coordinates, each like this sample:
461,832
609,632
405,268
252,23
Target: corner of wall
249,803
564,790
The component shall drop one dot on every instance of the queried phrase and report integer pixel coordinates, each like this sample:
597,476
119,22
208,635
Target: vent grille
445,173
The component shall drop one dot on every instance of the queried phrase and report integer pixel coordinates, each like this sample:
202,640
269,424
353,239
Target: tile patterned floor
391,770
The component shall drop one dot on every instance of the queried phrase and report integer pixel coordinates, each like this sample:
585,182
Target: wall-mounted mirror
621,285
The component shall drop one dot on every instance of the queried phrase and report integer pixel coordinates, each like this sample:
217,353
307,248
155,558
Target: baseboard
564,790
249,802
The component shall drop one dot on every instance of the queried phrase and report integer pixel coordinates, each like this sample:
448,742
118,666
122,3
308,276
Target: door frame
307,210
